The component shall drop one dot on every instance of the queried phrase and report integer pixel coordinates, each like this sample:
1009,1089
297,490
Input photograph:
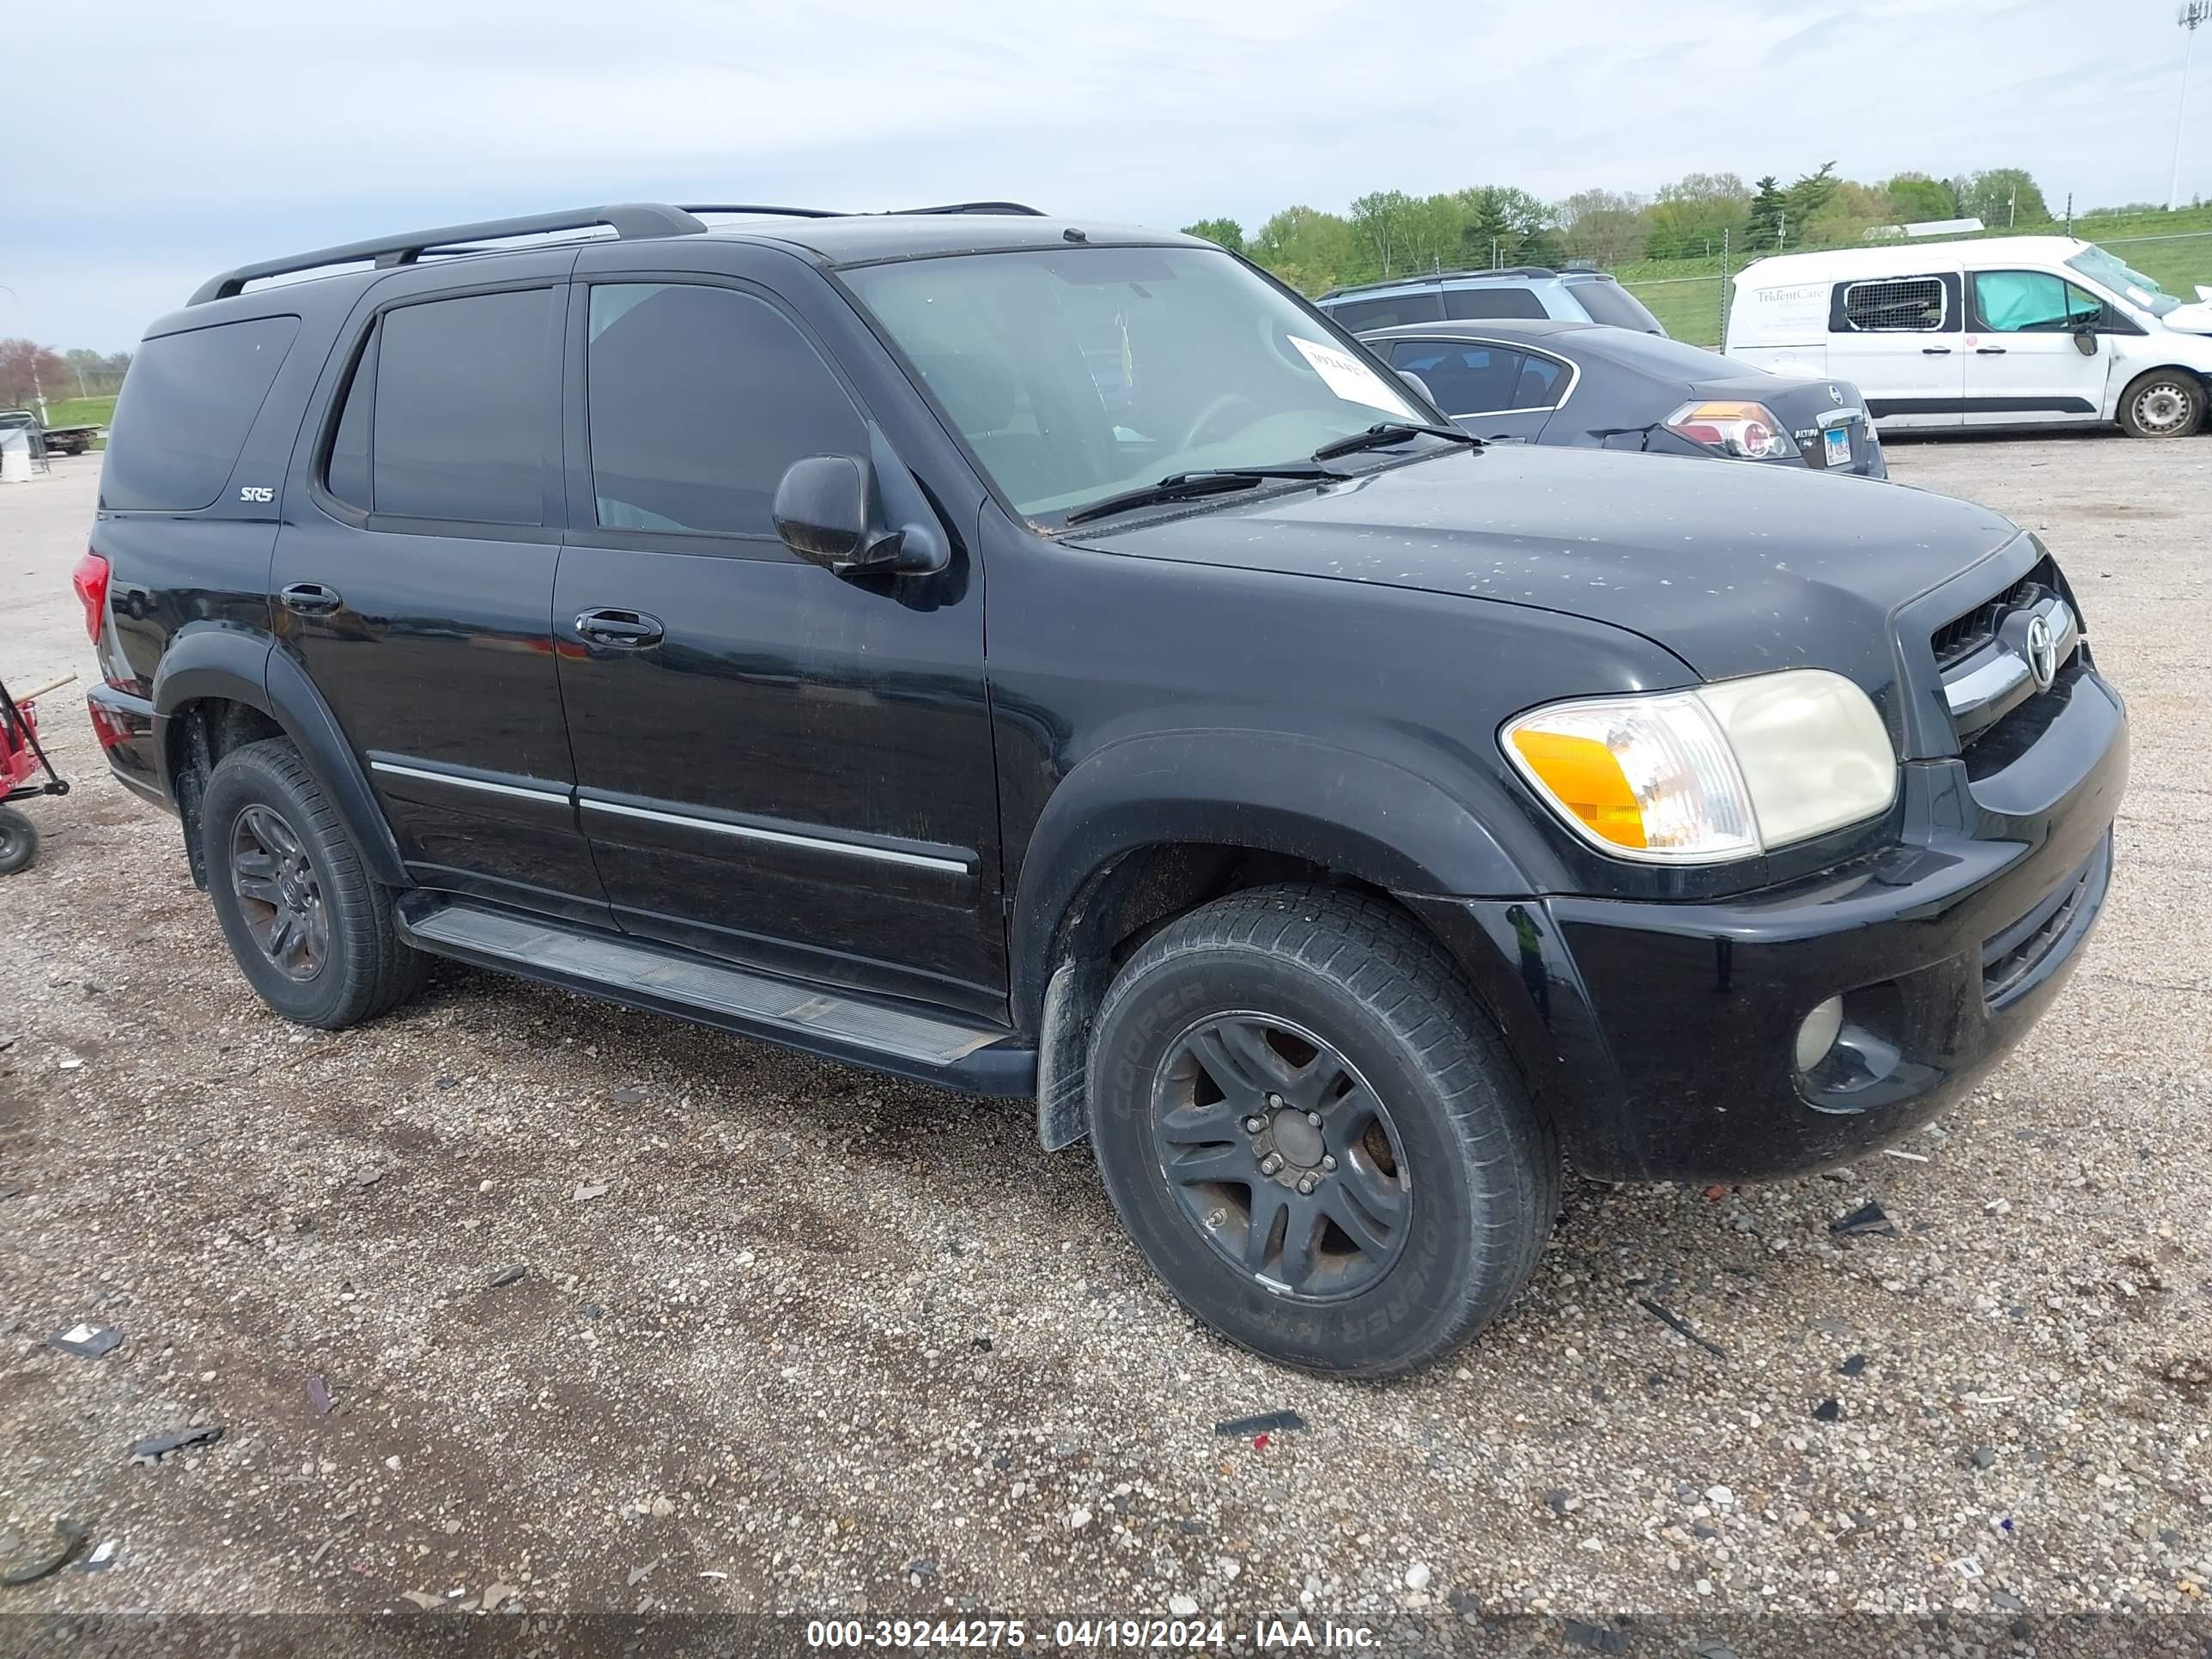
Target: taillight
1747,430
90,579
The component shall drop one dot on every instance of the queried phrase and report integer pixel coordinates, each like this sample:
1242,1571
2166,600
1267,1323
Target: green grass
1688,310
80,412
2176,267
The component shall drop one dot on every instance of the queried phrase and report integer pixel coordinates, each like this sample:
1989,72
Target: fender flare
242,666
1358,813
2123,385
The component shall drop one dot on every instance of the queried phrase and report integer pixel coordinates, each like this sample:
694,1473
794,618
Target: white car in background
2009,331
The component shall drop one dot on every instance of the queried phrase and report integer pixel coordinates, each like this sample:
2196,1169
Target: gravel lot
792,1337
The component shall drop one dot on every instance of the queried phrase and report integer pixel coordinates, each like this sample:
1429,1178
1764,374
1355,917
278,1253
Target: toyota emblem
2042,653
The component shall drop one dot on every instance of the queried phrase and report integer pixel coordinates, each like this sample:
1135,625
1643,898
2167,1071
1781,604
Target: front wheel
2167,403
1313,1134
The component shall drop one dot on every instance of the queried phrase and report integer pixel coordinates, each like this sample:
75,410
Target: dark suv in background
1043,659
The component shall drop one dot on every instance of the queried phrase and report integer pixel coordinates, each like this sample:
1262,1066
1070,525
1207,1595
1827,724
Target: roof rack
890,213
765,212
627,220
1019,209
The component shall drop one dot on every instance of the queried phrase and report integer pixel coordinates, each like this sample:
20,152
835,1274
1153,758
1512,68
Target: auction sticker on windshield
1352,379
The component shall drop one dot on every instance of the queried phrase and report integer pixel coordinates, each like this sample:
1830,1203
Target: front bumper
1662,1036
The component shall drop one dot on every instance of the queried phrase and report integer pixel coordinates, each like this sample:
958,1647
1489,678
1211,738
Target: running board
974,1059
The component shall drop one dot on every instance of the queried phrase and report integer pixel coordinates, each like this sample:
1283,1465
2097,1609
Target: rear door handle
633,629
311,600
1988,351
1935,351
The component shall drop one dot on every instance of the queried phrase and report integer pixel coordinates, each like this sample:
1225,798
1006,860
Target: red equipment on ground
25,772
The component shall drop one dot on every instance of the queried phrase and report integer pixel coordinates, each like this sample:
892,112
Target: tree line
27,369
1390,234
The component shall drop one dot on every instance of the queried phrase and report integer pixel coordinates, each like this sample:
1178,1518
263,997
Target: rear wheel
1314,1135
313,931
2167,403
19,841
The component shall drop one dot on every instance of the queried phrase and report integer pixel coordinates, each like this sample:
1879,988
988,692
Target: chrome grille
1963,636
2005,652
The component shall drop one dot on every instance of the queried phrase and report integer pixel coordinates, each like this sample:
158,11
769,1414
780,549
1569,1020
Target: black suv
1047,660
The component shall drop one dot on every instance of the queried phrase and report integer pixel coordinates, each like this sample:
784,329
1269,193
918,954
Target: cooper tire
1329,980
312,931
2167,403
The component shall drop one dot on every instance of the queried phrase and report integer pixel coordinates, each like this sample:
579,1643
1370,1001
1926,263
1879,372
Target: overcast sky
156,142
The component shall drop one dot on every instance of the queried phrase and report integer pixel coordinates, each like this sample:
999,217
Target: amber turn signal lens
1584,777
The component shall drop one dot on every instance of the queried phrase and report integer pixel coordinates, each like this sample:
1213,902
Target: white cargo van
2009,331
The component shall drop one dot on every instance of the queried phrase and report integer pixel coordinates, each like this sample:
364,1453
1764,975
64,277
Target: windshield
1082,373
2122,278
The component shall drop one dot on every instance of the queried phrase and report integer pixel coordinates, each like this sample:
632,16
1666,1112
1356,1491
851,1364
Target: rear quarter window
1609,303
1361,315
1463,303
187,404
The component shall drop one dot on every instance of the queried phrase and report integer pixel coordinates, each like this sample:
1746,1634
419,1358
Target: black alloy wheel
1281,1155
279,897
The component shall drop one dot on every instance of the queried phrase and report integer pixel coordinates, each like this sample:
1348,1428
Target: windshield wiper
1384,432
1190,486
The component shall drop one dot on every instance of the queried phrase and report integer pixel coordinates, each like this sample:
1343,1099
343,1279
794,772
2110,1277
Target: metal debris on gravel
87,1341
1869,1219
1242,1428
154,1447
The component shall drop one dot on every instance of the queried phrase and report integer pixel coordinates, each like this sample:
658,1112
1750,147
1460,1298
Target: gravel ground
786,1336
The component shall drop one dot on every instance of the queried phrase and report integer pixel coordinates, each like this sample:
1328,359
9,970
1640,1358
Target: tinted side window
1901,304
463,403
1543,382
1610,303
1360,315
346,476
187,404
698,398
1463,302
1465,378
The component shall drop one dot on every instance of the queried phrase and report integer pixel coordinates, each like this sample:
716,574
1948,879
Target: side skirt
924,1045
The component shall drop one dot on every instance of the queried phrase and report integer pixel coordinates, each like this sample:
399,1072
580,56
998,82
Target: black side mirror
2085,341
827,512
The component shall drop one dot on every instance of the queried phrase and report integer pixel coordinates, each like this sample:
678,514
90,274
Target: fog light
1818,1034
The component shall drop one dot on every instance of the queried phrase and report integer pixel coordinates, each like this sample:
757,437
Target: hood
1736,569
2195,319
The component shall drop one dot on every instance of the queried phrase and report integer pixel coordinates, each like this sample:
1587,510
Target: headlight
1722,772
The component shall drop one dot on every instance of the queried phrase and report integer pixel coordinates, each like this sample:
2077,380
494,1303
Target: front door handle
1988,351
311,600
1935,351
631,628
